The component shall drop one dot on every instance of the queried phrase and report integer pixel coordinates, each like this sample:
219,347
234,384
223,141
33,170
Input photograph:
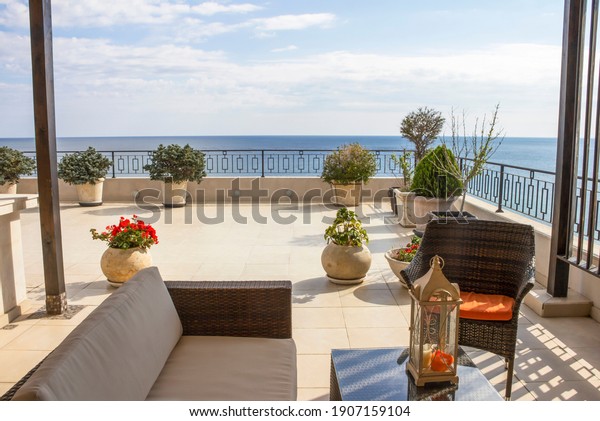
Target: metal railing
524,190
244,162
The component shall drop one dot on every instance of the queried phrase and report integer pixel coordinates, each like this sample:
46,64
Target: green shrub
175,164
14,164
83,167
349,164
433,175
346,230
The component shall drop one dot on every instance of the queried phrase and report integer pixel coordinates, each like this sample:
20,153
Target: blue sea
527,152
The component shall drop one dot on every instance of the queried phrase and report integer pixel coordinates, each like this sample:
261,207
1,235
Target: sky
285,67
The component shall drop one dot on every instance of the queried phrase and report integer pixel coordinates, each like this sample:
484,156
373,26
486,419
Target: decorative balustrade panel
244,163
524,190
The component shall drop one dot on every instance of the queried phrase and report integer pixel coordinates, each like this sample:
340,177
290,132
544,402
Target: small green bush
346,230
349,164
14,164
433,175
83,167
175,164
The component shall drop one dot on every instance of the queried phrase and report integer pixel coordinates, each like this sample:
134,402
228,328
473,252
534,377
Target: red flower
128,234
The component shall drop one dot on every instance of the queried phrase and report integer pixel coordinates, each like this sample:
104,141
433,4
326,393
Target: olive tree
422,127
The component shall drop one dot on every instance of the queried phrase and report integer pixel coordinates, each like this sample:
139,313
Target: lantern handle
441,261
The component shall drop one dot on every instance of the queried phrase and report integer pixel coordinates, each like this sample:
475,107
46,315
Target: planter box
452,215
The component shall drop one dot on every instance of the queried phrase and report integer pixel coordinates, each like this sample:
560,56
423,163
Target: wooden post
45,145
567,147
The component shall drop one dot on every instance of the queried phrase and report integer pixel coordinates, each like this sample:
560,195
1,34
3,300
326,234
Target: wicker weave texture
234,308
487,257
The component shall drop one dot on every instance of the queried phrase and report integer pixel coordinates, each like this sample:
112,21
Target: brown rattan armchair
485,257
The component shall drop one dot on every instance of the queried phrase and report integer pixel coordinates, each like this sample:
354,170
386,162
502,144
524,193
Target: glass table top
380,375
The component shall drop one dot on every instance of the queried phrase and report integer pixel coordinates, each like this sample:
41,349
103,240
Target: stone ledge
545,305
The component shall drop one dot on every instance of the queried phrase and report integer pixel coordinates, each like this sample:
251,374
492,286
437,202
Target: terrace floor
557,359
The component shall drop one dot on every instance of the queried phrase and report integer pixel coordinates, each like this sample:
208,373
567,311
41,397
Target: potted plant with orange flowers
400,258
127,252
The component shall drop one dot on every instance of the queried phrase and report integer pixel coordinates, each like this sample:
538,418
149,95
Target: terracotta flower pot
118,265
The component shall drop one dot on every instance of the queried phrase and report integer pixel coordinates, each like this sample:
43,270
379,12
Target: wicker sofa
156,340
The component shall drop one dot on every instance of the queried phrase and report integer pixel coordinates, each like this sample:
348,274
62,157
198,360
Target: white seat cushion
117,352
213,368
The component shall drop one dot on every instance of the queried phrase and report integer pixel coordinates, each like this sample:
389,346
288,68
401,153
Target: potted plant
13,164
127,252
399,258
346,170
435,184
346,258
175,165
422,127
86,170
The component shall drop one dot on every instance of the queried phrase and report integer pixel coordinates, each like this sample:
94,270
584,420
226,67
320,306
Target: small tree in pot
422,127
346,169
435,184
175,165
86,170
13,164
346,259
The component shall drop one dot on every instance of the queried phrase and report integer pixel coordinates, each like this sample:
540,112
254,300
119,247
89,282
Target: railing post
112,154
262,154
500,190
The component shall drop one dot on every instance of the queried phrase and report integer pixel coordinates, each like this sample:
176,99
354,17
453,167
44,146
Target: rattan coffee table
380,375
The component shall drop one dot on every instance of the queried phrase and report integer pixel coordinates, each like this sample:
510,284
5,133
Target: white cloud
284,49
295,22
103,13
207,89
210,8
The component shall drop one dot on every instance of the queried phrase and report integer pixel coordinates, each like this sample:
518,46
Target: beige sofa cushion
212,368
117,352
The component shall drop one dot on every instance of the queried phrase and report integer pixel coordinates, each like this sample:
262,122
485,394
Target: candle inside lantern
426,355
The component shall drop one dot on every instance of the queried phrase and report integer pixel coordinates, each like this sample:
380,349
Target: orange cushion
486,306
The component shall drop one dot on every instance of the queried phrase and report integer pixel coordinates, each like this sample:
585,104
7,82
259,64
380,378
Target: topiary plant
433,175
85,167
346,230
14,164
349,164
175,164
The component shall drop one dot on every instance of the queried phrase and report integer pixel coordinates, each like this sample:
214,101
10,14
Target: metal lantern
433,349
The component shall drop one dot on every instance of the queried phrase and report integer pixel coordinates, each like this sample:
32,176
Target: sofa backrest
117,352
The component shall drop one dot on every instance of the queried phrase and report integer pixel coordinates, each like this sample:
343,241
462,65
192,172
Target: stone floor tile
367,297
559,390
374,317
308,393
39,338
380,337
15,364
311,298
320,341
313,371
317,317
10,332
